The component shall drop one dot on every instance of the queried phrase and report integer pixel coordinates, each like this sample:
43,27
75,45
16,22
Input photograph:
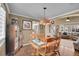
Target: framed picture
26,24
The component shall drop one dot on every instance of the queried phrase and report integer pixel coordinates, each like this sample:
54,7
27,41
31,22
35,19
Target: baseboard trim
26,44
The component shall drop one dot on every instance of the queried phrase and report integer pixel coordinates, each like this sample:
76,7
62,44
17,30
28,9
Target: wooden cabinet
12,42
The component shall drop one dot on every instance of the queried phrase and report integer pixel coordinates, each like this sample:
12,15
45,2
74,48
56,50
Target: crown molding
7,7
22,16
0,4
66,14
72,15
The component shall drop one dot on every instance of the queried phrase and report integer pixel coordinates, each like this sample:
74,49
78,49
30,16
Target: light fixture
45,20
67,19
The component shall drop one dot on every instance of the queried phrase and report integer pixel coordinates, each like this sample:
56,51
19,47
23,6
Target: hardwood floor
25,51
66,48
76,53
28,50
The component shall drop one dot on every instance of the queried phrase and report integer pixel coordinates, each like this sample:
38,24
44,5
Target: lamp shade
44,21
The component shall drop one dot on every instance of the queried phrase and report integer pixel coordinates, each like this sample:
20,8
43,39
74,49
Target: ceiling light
67,19
45,20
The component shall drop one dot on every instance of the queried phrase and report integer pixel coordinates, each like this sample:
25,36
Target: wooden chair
52,49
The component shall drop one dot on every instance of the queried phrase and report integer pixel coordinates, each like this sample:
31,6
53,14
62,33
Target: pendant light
44,11
44,20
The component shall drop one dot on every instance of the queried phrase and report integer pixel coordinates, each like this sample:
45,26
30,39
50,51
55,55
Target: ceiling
35,10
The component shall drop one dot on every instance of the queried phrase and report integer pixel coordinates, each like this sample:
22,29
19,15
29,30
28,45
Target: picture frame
27,24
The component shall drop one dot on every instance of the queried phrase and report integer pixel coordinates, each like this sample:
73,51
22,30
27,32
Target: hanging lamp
44,20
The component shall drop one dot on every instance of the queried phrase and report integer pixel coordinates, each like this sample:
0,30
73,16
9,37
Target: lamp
67,19
44,20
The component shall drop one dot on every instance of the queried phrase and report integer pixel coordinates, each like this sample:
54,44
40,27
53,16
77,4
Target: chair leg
58,53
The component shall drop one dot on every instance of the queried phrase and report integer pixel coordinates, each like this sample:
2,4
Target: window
2,23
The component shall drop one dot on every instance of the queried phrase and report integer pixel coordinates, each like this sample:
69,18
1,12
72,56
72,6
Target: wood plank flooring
28,50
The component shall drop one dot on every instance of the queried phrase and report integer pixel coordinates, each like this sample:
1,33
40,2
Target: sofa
76,44
65,35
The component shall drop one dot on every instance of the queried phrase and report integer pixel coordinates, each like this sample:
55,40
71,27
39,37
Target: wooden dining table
45,48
